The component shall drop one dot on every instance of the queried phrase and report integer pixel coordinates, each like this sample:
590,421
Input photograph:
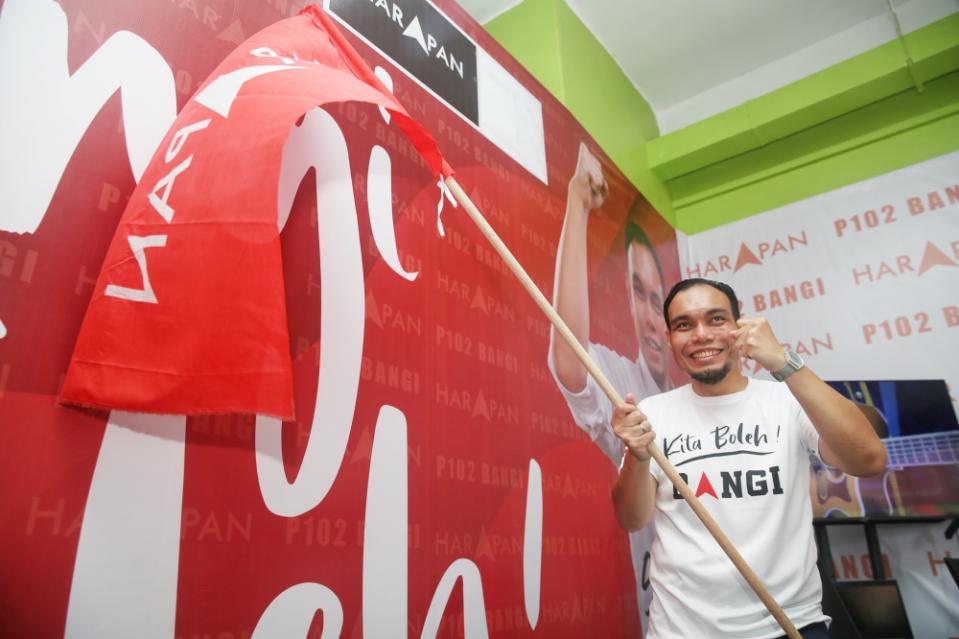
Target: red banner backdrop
433,483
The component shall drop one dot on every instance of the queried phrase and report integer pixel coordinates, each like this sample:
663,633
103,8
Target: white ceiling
691,59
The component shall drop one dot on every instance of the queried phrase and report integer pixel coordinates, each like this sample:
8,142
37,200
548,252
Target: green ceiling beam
890,134
901,65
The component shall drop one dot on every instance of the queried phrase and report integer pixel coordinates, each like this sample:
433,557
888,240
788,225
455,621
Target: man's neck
734,382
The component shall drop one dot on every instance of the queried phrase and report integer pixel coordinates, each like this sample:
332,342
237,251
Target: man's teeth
705,354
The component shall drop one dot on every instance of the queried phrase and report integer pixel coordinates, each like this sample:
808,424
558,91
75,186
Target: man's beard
713,377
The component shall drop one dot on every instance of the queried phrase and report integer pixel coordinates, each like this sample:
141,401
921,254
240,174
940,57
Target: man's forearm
571,295
634,494
847,439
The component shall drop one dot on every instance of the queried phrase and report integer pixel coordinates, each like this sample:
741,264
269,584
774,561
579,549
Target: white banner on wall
862,281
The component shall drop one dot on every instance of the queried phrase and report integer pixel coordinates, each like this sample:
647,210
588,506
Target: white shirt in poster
593,413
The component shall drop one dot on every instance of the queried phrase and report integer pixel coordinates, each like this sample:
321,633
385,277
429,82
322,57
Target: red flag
188,314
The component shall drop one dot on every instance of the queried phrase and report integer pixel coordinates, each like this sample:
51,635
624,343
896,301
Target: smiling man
643,375
744,445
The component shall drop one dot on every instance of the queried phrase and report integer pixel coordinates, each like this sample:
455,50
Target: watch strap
793,363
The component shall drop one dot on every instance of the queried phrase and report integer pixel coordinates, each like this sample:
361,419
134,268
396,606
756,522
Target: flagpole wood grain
724,542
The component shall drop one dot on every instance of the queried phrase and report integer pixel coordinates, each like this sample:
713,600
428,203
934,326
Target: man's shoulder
771,394
628,375
768,388
665,398
608,358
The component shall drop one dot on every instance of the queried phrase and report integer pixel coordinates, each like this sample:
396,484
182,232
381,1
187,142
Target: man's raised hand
755,339
588,186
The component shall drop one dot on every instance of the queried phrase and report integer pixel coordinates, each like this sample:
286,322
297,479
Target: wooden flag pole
748,574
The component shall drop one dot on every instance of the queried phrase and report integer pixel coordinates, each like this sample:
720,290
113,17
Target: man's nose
650,316
700,333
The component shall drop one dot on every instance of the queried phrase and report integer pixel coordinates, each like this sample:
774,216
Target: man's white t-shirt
746,456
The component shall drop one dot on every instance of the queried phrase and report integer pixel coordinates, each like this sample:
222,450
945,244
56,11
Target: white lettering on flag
139,245
220,94
165,184
179,138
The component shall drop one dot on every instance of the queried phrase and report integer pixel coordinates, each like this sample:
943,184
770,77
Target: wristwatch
793,363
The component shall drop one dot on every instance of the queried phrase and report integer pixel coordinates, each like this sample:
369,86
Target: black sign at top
421,40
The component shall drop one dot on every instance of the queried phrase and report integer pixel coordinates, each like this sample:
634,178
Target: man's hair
682,285
636,235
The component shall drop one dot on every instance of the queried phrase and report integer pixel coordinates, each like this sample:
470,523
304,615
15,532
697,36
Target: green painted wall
883,110
530,32
552,43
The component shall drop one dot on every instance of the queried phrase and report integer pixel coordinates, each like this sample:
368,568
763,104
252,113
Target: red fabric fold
188,314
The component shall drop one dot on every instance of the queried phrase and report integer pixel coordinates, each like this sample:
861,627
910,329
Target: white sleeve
807,432
591,409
